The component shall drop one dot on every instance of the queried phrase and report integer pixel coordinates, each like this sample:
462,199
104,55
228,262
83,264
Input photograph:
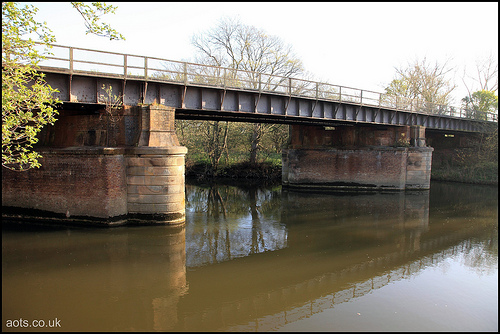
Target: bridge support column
155,169
155,184
83,183
356,158
417,136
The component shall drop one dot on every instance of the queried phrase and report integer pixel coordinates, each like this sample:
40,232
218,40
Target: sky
354,44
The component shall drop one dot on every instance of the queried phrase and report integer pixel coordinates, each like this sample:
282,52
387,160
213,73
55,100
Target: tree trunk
217,144
254,148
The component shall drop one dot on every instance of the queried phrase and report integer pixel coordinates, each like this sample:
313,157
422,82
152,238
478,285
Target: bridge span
113,155
217,93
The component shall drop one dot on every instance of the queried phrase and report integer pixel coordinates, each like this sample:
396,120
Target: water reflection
116,279
253,259
231,222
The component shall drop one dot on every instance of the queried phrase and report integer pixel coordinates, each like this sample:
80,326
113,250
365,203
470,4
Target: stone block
155,199
161,171
156,208
153,180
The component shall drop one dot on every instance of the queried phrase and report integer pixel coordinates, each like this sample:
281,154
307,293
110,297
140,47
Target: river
266,259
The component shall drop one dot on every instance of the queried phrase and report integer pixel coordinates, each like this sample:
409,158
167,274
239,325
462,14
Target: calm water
267,259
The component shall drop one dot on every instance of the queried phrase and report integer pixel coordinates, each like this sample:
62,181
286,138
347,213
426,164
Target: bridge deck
207,92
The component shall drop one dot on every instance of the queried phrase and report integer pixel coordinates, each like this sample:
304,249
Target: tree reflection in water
225,222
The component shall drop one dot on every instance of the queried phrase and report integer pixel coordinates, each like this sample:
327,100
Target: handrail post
71,60
340,93
145,67
124,66
260,83
185,73
290,86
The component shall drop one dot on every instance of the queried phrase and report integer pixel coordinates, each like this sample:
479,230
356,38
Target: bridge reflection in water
247,259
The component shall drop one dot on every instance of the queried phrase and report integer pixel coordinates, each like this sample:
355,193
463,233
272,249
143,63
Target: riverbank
486,173
265,171
271,173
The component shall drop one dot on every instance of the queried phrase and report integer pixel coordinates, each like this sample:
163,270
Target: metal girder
237,104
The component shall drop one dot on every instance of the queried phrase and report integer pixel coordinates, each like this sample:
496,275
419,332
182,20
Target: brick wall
391,168
92,128
381,168
105,185
86,182
357,157
140,177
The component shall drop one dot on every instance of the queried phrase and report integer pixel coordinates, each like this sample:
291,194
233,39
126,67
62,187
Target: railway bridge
113,155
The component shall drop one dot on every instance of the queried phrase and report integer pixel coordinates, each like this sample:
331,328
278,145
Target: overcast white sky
352,44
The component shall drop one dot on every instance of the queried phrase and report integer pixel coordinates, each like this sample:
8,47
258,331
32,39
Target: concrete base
369,168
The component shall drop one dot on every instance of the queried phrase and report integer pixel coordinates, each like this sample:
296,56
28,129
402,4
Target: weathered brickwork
357,158
382,168
158,128
418,168
92,128
139,179
374,168
88,182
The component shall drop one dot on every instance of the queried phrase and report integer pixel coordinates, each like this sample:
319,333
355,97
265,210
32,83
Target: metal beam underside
215,103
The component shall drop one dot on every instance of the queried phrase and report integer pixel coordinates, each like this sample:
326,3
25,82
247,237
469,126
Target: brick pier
357,158
139,180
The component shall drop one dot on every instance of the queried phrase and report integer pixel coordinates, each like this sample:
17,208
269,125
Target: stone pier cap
147,150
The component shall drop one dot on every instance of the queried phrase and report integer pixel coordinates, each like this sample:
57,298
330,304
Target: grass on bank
236,166
480,173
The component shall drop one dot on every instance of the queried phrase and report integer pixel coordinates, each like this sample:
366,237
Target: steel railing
128,66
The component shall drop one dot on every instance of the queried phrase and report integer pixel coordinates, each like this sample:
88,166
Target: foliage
28,102
114,103
475,163
269,171
402,141
202,154
91,14
481,104
421,81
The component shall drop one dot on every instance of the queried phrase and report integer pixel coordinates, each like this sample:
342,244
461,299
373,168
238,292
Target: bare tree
481,101
486,76
237,46
248,52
